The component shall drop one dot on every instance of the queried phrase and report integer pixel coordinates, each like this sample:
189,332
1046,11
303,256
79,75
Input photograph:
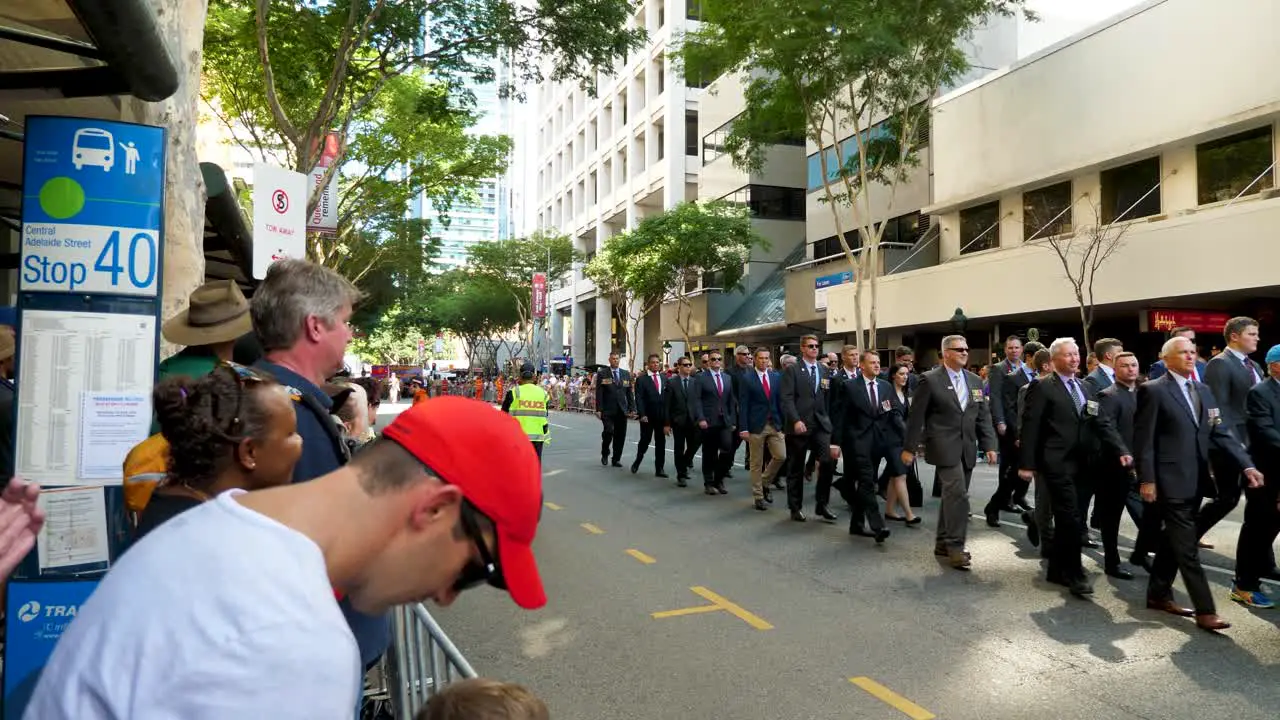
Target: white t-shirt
220,612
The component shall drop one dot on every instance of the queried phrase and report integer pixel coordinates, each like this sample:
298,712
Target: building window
768,202
662,13
830,246
662,144
693,10
1228,167
1046,212
691,133
1131,191
904,229
980,228
713,143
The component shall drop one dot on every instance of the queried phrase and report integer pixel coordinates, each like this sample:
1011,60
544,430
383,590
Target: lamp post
666,353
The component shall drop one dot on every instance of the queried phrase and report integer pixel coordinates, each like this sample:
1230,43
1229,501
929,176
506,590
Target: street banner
324,218
539,295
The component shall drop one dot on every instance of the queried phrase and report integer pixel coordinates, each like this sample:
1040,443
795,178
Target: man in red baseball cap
447,499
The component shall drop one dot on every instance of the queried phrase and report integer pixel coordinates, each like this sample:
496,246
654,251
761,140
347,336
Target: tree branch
264,56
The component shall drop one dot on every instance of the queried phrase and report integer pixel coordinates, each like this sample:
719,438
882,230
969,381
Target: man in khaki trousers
760,424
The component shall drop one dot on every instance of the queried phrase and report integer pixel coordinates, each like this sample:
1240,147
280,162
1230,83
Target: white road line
551,473
566,427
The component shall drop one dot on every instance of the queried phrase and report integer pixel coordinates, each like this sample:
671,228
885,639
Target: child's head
484,699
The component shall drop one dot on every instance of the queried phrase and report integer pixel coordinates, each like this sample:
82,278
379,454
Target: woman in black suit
896,494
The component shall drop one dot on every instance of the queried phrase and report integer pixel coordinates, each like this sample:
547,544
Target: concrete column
578,331
673,120
557,333
604,316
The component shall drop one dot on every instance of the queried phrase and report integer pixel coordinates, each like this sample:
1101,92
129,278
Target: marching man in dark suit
1061,431
760,424
715,408
1261,513
861,413
678,398
1007,474
1178,421
613,405
1116,483
804,413
652,411
949,417
1231,374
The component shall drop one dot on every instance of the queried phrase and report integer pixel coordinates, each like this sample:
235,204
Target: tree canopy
855,78
512,262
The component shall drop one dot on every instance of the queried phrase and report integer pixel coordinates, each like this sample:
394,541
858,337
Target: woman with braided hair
233,428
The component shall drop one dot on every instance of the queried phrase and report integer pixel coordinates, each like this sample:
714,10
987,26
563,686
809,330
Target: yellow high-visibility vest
529,407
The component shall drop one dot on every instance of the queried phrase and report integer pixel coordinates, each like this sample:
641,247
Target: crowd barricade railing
421,662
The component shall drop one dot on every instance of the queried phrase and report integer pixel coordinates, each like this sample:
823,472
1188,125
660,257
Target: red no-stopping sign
280,201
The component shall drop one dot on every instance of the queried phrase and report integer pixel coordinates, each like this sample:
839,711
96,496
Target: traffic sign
92,206
279,217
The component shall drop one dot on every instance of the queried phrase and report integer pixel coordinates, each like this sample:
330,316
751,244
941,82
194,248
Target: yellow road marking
553,506
889,697
718,602
592,529
646,559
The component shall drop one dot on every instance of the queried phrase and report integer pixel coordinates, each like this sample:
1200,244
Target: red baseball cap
483,452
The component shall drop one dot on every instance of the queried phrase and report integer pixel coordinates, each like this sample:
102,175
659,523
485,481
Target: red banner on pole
539,295
1200,321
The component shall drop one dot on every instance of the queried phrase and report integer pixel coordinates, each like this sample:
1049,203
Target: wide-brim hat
218,313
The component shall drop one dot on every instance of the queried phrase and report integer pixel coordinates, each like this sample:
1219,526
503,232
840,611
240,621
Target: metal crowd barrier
421,662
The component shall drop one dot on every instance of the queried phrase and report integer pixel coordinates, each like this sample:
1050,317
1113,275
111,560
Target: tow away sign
279,216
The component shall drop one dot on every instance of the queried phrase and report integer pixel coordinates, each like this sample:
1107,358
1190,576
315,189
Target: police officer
527,403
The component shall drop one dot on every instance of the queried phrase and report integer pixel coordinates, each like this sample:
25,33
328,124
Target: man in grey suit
949,416
1104,376
808,428
1231,374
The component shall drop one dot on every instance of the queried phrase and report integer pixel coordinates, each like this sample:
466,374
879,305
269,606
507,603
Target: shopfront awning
72,57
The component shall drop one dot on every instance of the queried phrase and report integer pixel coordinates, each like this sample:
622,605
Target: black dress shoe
798,516
720,488
1080,588
881,535
760,505
1119,573
825,514
993,519
661,474
1033,529
768,496
604,459
681,482
635,467
1089,544
710,490
616,463
915,521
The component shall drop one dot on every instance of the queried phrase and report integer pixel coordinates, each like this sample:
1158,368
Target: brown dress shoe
1170,607
959,559
1211,622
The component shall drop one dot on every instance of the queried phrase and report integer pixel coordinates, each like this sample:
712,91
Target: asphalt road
791,620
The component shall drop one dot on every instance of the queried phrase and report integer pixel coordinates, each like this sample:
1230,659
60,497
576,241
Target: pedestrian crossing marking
718,602
889,697
646,559
592,529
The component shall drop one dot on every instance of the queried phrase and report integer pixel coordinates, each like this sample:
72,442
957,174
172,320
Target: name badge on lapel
626,383
826,383
1091,408
606,381
886,406
1215,416
977,395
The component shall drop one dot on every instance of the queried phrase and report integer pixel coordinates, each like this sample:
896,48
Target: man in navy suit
1261,514
1231,374
652,411
715,409
760,423
861,411
1177,421
1157,368
1104,376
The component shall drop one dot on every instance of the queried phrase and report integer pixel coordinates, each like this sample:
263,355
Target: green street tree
475,308
512,262
393,341
689,242
855,77
289,71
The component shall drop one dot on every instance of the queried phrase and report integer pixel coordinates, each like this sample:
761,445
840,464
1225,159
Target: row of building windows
848,152
905,229
769,202
1228,168
713,145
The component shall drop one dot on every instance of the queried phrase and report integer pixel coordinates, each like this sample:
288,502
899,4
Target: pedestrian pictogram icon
280,201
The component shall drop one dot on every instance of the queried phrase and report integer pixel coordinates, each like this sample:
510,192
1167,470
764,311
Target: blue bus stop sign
91,210
37,612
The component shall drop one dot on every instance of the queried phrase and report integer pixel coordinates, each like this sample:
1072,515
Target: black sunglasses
487,569
812,345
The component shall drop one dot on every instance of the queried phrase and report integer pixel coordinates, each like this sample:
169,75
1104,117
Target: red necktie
719,387
657,383
765,379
